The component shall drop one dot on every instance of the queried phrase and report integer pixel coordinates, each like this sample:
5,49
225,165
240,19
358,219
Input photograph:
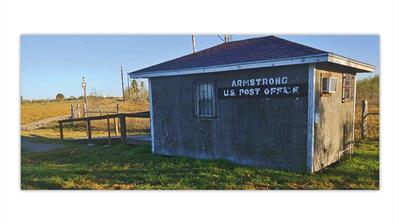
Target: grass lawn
78,166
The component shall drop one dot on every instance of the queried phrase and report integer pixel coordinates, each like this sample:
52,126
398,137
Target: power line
225,38
220,37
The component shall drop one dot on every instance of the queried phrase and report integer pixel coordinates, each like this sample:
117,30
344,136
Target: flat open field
32,112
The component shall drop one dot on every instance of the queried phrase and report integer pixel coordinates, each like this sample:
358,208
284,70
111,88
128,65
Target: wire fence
81,110
367,123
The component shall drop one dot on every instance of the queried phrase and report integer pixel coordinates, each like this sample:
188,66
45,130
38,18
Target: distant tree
72,98
142,86
60,97
134,90
143,92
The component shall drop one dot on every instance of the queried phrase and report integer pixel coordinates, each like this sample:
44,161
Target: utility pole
123,88
85,106
193,42
227,38
128,86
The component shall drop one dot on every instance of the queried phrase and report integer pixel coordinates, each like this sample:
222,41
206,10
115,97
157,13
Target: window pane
202,92
333,85
209,107
324,88
202,107
205,107
205,101
347,93
347,84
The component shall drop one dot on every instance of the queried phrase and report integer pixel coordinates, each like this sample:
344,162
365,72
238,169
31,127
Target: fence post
72,110
78,106
363,128
116,123
61,131
116,127
88,129
84,110
122,121
109,131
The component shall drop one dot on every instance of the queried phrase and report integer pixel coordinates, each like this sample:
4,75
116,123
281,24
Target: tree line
368,89
137,91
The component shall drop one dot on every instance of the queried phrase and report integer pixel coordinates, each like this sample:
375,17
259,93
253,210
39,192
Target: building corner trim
354,114
310,123
151,116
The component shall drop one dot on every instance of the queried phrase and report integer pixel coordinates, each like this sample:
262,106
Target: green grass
78,166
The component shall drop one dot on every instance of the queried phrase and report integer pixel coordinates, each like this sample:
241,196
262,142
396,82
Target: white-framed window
205,100
348,82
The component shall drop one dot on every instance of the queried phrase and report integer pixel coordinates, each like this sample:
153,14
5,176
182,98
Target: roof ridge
296,44
239,51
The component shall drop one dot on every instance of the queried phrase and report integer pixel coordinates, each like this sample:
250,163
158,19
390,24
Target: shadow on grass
79,166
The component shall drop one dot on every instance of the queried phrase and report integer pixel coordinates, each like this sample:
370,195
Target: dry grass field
31,112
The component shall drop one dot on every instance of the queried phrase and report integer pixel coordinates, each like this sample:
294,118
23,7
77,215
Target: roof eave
357,65
237,66
325,57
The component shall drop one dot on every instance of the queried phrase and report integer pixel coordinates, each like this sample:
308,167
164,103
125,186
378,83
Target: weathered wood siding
251,131
334,132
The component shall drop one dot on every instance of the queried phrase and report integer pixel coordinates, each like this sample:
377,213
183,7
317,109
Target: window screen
347,87
206,100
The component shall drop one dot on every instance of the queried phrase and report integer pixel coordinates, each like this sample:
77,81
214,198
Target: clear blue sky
52,64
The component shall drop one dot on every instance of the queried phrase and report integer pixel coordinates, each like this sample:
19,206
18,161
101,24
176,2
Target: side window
347,87
205,100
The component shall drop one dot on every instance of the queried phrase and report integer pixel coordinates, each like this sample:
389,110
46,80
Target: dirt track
42,123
